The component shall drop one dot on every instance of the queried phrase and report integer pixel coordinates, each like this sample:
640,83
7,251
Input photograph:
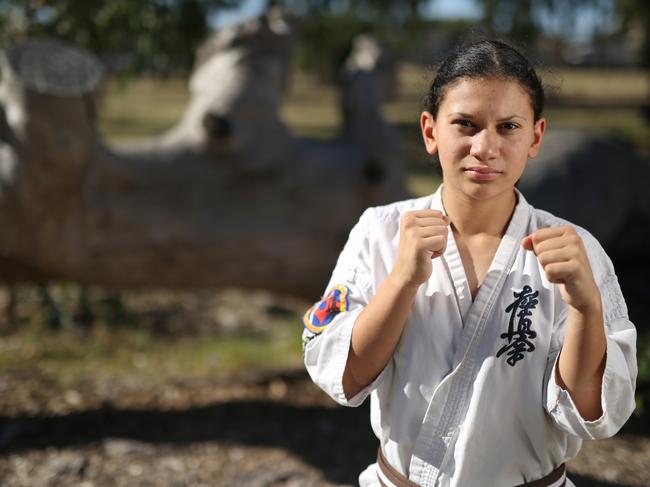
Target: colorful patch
323,312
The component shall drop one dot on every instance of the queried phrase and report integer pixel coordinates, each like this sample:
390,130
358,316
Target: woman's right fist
423,237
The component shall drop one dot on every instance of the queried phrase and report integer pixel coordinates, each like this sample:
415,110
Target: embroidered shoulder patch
323,312
519,337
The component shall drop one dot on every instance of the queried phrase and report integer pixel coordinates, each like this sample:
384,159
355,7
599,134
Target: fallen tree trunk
227,198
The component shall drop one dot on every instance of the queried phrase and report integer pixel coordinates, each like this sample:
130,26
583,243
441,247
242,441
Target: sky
441,9
450,9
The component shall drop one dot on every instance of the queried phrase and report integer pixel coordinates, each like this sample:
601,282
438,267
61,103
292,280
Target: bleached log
228,197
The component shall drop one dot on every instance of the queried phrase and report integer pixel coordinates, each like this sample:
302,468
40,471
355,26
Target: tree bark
228,197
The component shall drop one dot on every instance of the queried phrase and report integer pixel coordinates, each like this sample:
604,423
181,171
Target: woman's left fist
563,257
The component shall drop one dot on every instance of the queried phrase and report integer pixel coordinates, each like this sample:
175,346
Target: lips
482,169
482,173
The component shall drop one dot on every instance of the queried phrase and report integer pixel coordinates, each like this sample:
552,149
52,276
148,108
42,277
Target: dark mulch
273,430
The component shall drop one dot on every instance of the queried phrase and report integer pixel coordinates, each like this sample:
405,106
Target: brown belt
399,480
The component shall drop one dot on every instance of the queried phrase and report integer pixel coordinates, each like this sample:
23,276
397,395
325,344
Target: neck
472,216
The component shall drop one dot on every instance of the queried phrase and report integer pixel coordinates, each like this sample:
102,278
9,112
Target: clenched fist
562,254
423,237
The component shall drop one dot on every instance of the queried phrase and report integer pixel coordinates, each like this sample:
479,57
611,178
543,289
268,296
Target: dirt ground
256,430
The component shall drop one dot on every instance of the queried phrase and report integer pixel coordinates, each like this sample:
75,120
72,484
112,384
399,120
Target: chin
485,190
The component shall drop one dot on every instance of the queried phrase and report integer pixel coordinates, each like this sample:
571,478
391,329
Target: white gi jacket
469,397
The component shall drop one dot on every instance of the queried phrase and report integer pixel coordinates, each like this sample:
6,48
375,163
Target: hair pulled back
486,59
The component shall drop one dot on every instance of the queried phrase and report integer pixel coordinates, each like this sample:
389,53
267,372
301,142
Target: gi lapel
451,398
453,266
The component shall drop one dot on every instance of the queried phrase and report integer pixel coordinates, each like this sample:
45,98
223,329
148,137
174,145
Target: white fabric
384,480
446,409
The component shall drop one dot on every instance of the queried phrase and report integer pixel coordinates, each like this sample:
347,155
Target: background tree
522,20
132,35
636,13
325,29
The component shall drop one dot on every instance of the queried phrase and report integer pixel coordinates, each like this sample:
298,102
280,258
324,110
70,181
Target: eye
509,126
463,122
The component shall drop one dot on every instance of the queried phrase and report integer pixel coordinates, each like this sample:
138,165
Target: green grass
70,356
140,107
643,380
319,120
572,83
598,84
158,338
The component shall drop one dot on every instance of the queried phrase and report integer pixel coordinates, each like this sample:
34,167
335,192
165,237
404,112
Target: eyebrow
469,115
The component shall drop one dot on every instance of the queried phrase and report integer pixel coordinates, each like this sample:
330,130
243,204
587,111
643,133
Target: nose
485,145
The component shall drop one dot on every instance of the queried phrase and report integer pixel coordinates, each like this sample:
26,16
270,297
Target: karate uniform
469,396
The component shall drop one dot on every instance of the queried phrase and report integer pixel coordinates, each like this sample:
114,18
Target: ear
538,135
428,127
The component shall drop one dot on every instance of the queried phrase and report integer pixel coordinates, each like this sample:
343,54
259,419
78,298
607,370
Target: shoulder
600,262
380,224
392,212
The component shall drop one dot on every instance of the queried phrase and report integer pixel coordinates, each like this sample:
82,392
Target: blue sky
437,8
445,9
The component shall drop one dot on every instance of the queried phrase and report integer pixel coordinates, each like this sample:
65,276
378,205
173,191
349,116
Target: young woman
491,336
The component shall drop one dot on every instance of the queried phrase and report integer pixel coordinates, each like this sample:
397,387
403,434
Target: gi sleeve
329,322
619,377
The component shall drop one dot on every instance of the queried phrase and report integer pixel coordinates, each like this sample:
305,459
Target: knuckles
568,236
575,240
411,217
407,220
562,270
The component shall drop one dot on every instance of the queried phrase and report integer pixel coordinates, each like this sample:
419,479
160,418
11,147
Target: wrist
404,284
589,309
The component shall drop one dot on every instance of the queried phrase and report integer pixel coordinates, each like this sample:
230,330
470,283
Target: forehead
469,95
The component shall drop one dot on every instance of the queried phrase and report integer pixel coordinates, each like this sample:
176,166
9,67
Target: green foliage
512,17
325,29
374,10
135,35
521,20
637,12
325,40
320,53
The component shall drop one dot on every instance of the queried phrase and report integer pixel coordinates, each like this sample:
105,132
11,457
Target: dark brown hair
486,59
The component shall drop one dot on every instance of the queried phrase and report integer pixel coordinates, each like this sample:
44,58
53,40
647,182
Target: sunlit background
205,386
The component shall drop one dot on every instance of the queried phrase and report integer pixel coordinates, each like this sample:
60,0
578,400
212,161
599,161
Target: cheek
450,156
518,150
455,147
517,166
